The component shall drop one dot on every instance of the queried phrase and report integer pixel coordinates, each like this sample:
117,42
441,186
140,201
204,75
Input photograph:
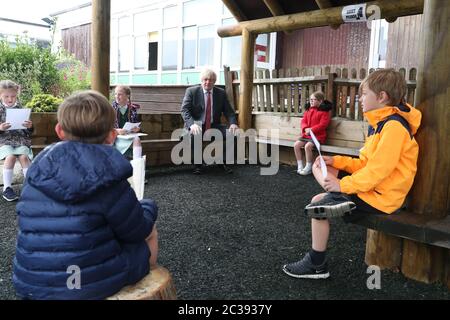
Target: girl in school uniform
14,144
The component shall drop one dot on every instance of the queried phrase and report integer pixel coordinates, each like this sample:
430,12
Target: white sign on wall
354,13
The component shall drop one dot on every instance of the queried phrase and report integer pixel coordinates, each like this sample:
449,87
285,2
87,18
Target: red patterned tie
208,111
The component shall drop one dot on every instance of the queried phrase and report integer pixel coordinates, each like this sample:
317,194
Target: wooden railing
286,91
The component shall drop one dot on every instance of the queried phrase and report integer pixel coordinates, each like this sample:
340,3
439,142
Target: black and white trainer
332,205
305,269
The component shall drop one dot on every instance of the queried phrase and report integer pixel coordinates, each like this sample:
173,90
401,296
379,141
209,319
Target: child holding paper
78,216
316,118
375,183
126,112
14,144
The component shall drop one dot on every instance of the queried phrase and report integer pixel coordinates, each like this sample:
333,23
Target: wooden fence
286,91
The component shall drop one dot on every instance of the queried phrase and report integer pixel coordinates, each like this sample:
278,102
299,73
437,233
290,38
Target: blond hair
86,116
388,80
9,85
319,95
208,74
125,89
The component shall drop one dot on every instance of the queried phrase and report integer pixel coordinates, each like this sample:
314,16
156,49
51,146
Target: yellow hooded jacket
384,172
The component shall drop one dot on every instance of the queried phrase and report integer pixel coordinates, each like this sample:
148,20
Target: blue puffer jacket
77,209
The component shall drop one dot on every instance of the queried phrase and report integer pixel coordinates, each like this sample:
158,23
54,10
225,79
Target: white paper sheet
323,166
129,126
131,135
16,117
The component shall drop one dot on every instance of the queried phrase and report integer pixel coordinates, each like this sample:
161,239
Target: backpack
381,124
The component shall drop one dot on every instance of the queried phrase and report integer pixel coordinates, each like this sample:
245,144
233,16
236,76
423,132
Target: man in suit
205,104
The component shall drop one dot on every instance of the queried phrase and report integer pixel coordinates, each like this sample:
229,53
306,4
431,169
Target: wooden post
101,16
246,89
430,193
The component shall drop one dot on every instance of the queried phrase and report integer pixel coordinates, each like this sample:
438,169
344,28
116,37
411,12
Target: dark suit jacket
193,106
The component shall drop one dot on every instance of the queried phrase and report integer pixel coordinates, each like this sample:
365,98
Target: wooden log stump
383,250
157,285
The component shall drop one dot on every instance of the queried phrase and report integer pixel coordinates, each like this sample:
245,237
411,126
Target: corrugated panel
347,46
403,42
77,40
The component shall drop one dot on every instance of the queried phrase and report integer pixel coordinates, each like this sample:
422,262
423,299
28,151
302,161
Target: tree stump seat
157,285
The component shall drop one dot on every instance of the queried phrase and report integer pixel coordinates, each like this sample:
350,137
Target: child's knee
24,158
309,146
153,236
318,197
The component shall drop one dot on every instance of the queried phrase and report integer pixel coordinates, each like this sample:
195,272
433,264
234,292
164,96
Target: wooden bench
344,137
408,225
324,148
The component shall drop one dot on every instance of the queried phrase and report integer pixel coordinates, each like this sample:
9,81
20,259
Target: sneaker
306,171
305,269
299,171
333,204
10,195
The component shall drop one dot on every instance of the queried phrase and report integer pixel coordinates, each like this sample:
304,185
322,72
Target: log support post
101,16
246,88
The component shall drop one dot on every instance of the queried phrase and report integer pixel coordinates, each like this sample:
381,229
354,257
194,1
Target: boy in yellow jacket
375,183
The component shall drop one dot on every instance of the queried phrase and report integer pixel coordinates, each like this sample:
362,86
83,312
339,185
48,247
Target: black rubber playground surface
227,236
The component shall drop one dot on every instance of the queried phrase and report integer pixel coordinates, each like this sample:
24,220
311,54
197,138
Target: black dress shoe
227,169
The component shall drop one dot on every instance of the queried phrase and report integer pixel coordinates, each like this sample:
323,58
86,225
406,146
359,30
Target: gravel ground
227,236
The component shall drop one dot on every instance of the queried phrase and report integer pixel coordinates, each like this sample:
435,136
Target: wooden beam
101,16
246,88
235,10
325,4
274,7
318,18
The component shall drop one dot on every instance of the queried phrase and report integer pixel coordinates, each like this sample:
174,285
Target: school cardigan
384,172
77,210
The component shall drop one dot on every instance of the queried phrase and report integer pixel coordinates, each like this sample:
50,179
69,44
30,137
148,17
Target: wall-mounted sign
354,13
261,53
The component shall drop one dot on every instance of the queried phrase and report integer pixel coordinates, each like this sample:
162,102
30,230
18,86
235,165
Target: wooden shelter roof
244,10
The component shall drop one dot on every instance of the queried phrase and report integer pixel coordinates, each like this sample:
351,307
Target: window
125,53
200,11
125,44
231,47
170,16
124,26
169,55
147,21
189,47
153,51
140,52
206,45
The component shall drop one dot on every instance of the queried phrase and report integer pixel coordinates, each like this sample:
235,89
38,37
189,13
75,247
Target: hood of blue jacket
73,171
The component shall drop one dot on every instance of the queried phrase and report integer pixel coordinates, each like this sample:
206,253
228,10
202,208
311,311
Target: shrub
44,103
73,76
32,67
